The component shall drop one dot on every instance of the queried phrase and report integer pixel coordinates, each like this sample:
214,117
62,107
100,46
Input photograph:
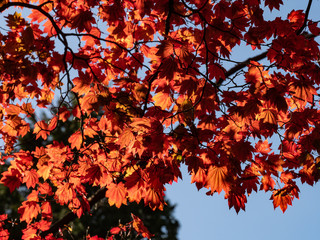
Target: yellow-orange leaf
162,100
29,210
75,140
31,178
268,116
126,138
117,194
217,179
65,193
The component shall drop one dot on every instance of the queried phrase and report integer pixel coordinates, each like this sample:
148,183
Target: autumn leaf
76,140
29,210
165,49
65,193
41,130
153,199
117,194
11,179
237,201
263,147
302,92
314,29
282,199
126,138
217,179
83,21
31,178
273,4
140,228
267,183
268,116
162,100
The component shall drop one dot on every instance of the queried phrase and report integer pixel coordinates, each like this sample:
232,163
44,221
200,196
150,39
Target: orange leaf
282,199
31,178
29,210
117,194
162,100
46,208
267,183
165,49
126,138
83,21
64,193
13,110
302,92
268,116
263,147
53,123
76,140
217,179
140,228
41,129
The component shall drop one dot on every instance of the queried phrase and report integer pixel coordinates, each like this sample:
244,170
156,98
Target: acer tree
152,92
162,224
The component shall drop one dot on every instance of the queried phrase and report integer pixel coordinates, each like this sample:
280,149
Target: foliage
161,223
152,91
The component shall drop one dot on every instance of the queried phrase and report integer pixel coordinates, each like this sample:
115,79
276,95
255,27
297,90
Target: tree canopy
147,84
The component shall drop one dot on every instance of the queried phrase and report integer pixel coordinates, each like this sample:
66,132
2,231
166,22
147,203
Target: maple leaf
268,116
29,210
217,179
117,194
267,183
11,178
263,147
140,228
281,198
302,92
273,4
31,178
83,21
126,138
237,201
162,100
154,199
76,140
41,130
314,29
65,193
91,39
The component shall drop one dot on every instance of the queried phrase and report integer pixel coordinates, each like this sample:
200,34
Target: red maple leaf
83,20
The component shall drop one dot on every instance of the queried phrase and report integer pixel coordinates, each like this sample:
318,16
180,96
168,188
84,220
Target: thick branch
305,18
170,6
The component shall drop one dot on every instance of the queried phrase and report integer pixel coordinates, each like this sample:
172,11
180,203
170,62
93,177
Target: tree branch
305,18
100,194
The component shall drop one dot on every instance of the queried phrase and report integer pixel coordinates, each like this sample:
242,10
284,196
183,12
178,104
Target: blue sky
209,217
